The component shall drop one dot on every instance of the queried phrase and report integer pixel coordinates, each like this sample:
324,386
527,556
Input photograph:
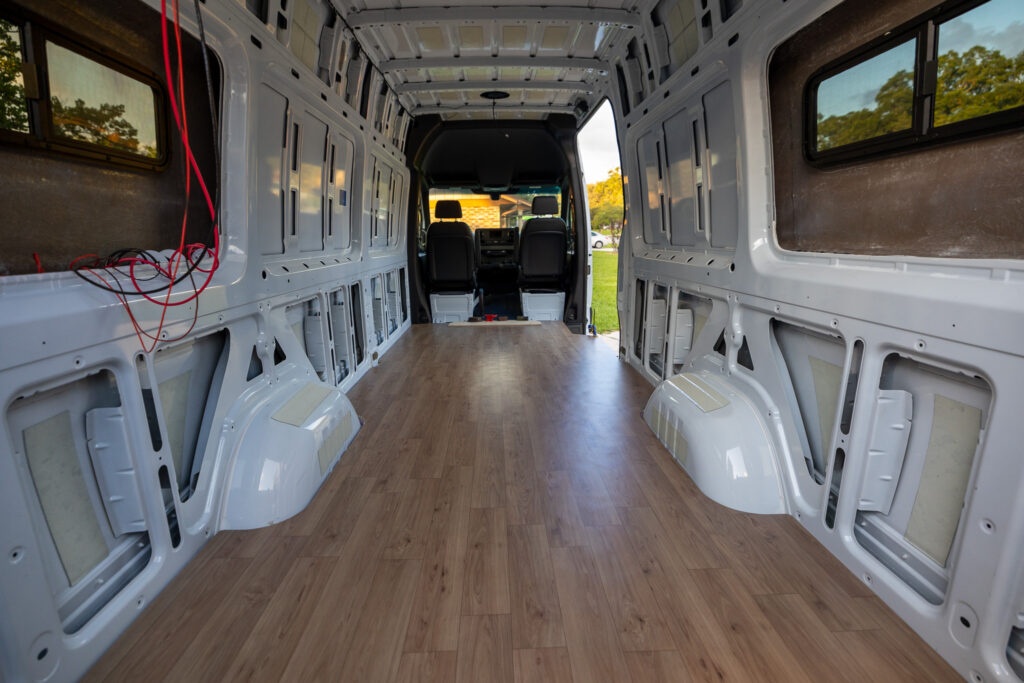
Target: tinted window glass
13,107
981,62
96,104
506,210
871,99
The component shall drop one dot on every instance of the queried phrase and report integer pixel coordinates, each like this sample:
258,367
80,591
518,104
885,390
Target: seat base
542,305
450,308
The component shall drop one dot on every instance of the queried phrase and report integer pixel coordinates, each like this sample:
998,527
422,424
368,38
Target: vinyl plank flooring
663,666
485,649
376,644
226,629
486,576
434,623
550,665
589,629
635,611
427,667
505,514
265,653
536,614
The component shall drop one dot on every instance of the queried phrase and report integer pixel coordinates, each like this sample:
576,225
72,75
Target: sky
997,24
599,150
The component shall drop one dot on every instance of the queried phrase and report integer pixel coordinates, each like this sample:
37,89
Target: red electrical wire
192,253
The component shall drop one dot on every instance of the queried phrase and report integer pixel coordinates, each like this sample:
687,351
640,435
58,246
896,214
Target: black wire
213,110
110,262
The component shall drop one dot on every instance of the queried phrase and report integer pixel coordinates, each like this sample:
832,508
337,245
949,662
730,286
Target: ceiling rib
489,62
436,86
498,111
429,15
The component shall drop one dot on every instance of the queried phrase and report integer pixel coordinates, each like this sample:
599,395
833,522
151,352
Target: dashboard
497,246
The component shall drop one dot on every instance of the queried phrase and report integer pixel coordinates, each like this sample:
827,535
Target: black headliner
493,154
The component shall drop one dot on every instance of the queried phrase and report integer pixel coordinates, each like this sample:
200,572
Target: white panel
683,338
887,449
722,142
314,339
272,110
395,231
382,204
656,325
651,186
311,184
112,462
446,308
543,306
341,192
681,180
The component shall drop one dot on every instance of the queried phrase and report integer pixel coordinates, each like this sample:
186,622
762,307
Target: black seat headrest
545,206
448,208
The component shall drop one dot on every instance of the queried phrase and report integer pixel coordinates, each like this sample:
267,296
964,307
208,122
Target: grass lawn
606,317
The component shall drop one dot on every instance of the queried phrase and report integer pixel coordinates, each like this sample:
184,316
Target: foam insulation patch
700,392
947,469
334,443
305,34
430,38
471,37
554,37
57,474
300,406
828,378
674,441
174,405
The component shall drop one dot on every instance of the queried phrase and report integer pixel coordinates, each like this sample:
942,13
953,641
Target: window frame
35,34
923,132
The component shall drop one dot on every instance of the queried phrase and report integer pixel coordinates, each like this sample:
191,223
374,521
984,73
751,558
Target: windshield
509,210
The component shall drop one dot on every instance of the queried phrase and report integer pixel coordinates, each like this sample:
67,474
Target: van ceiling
441,59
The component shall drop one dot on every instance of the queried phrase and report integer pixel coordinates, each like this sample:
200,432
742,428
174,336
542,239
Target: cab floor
506,515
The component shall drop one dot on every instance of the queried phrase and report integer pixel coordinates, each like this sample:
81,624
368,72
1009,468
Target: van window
950,72
481,210
92,103
867,100
13,105
71,99
981,71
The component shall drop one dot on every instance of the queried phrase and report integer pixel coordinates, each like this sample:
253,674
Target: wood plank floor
506,515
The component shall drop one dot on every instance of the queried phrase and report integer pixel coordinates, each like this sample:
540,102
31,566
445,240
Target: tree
13,109
893,112
103,125
980,81
606,205
977,82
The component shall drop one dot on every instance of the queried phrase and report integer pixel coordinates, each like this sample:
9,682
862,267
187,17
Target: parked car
597,240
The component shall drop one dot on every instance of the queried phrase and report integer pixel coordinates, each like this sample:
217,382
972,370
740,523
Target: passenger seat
451,264
543,247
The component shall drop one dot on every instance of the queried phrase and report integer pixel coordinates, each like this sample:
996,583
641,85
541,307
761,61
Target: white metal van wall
887,385
119,465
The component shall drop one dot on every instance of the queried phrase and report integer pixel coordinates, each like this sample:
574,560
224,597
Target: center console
497,246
